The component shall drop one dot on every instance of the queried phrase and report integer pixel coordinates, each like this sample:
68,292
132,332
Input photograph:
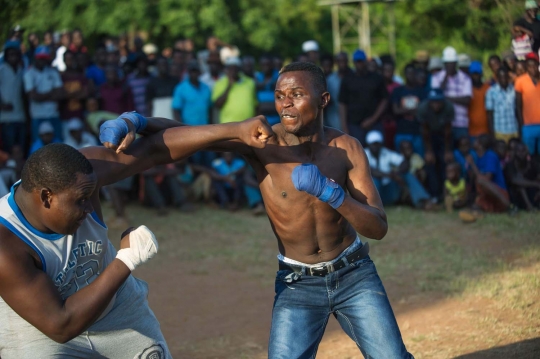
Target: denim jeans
531,138
13,133
391,192
355,296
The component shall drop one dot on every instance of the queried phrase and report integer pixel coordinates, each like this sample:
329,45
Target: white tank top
71,261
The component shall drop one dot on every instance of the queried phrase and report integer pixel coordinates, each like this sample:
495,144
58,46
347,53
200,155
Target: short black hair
494,57
327,57
314,71
409,66
484,141
54,166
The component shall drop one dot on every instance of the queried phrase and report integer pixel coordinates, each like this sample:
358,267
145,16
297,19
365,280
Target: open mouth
288,117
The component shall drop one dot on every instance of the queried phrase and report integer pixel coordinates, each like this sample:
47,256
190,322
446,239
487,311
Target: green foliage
478,27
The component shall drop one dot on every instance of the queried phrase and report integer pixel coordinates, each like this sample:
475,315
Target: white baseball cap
75,124
449,54
374,136
45,127
233,61
464,60
310,45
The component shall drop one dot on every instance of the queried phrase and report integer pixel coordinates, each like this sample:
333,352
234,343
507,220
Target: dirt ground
211,287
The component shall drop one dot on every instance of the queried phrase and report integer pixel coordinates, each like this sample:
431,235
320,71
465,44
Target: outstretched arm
172,145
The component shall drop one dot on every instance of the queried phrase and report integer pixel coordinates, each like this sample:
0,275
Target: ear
325,99
45,195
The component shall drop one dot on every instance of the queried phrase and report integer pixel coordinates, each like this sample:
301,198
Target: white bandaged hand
142,246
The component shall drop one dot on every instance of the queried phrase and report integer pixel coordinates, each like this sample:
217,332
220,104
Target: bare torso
307,229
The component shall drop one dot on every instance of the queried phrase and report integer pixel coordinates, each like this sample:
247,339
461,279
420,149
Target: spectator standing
405,102
529,24
435,116
311,49
33,43
210,78
229,188
12,114
96,72
521,43
76,90
159,91
333,84
137,82
478,121
528,104
363,99
192,99
457,88
116,96
495,64
44,87
248,66
65,41
77,137
77,42
523,179
501,108
235,94
266,83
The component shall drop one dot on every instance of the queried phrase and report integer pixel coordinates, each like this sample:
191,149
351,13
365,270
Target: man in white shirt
77,137
44,87
390,172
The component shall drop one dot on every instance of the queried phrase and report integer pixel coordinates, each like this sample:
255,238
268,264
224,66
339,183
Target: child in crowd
501,150
461,152
416,162
455,190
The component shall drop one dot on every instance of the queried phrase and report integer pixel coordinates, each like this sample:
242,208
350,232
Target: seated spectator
462,151
94,117
527,104
491,193
478,122
501,108
115,95
159,91
253,193
161,188
455,189
46,136
77,137
523,178
229,187
390,173
435,116
501,150
415,161
196,181
405,102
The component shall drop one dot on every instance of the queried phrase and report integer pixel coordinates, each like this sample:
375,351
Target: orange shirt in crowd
478,122
531,99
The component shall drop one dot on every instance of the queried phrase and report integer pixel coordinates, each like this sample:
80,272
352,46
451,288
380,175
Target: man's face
178,58
40,63
313,56
277,63
232,71
436,106
142,65
266,66
503,78
113,57
464,145
494,65
388,72
521,152
65,39
375,148
77,38
420,78
194,75
248,67
297,101
33,39
406,149
410,76
342,62
111,74
76,134
532,67
82,59
451,68
47,138
13,56
92,105
532,12
520,68
327,66
68,209
476,77
372,66
360,66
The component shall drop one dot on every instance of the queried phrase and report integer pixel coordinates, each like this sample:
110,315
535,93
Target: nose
287,102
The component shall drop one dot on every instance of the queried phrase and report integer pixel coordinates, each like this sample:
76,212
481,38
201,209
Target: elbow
380,233
60,332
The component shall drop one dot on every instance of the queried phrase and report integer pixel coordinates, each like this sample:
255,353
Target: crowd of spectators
447,133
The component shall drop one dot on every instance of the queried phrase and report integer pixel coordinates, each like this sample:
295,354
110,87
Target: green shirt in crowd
241,102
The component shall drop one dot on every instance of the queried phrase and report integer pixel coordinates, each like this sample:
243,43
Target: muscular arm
363,207
33,295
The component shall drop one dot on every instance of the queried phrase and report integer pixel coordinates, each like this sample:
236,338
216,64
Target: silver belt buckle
328,267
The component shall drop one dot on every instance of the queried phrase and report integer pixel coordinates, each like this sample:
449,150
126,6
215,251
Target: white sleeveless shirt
71,261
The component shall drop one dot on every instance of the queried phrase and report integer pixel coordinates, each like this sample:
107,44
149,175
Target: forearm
521,182
158,124
83,308
380,109
368,221
220,102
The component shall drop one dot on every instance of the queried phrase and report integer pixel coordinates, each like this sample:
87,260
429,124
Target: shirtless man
319,194
64,290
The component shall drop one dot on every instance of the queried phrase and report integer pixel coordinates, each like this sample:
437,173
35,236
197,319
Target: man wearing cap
160,89
528,104
389,169
501,108
311,49
363,98
96,71
435,116
46,135
192,99
529,24
12,114
77,137
234,94
478,122
464,62
457,88
44,87
421,59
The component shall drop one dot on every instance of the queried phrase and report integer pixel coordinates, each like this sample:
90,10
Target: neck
312,134
24,201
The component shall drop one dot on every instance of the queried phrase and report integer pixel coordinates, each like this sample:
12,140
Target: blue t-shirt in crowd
223,168
192,102
267,95
96,74
490,163
409,98
39,143
462,162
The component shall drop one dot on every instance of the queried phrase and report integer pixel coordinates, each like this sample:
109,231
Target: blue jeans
13,133
391,192
355,296
55,122
416,141
531,138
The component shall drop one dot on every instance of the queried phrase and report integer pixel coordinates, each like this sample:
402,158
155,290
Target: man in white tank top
64,290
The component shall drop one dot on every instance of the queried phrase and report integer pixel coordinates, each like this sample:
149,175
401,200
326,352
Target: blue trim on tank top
20,215
15,231
98,220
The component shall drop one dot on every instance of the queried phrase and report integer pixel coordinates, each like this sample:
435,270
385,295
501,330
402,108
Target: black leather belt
321,271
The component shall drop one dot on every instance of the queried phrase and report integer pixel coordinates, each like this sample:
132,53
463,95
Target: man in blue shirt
192,99
492,195
230,189
266,83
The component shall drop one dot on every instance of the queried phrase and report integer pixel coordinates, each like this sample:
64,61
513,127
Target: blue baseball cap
436,95
42,51
12,44
475,68
359,55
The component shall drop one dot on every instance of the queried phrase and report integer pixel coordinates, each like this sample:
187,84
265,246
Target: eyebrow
294,88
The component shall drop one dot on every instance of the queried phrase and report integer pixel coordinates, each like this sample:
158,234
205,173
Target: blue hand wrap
308,178
114,131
